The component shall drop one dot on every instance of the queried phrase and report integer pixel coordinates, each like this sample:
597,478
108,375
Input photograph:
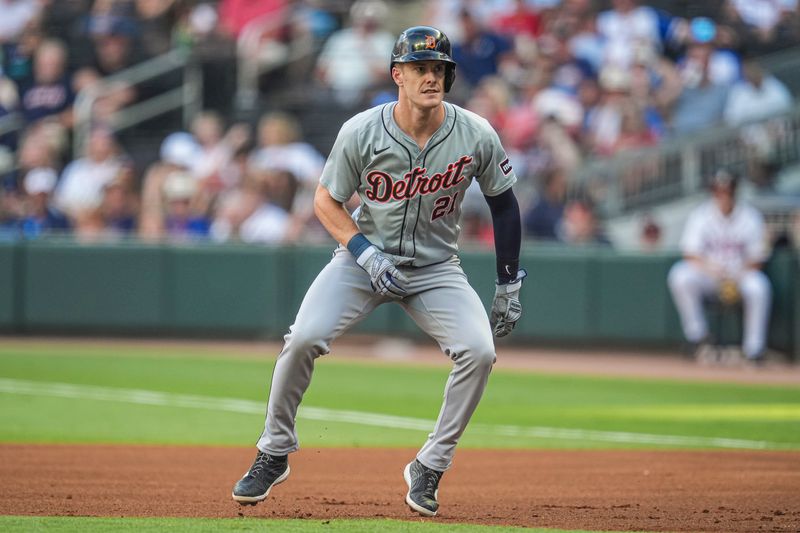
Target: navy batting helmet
424,43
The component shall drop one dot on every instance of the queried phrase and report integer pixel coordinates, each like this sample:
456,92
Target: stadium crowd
561,81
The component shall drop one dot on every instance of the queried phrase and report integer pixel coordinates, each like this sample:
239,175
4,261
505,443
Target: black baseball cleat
423,488
266,472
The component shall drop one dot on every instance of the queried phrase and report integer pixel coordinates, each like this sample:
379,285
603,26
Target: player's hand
506,309
384,277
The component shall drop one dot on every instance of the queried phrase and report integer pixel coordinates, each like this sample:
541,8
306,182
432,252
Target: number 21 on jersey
444,205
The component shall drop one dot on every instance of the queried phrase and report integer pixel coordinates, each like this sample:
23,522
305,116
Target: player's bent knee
680,275
483,357
755,285
305,341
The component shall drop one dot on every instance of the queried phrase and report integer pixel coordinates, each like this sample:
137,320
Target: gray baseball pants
440,301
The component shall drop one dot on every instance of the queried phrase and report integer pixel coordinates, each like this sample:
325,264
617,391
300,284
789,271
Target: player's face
423,82
725,198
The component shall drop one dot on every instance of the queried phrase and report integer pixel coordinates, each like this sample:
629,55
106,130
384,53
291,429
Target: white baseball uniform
729,244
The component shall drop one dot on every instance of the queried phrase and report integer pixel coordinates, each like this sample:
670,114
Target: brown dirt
729,491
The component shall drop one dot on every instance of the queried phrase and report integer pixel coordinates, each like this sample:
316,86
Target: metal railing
255,58
187,96
645,177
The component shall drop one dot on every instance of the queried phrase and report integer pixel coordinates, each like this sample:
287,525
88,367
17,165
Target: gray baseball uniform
410,207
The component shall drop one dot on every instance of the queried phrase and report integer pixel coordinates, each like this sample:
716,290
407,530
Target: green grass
13,524
520,399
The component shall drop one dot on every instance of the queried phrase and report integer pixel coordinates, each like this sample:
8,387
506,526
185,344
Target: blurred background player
724,246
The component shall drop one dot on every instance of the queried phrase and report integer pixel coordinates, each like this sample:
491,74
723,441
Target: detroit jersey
411,197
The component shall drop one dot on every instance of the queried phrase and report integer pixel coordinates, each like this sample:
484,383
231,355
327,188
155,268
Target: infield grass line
235,405
63,524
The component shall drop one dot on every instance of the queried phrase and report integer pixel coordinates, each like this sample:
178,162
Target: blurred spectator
545,214
724,246
233,210
9,104
480,50
271,222
650,234
115,39
178,152
16,58
181,221
763,26
66,21
757,96
701,103
41,217
567,70
706,43
628,25
80,189
213,165
50,92
17,14
604,121
520,19
235,15
579,225
584,42
41,146
356,58
555,139
281,147
156,19
634,131
9,217
491,99
117,215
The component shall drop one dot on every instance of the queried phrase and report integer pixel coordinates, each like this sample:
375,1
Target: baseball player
410,162
724,246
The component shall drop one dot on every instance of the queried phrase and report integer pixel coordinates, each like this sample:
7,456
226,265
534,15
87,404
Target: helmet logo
430,42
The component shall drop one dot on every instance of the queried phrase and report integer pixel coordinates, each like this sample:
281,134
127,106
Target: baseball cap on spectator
369,10
702,30
179,186
180,149
111,26
558,105
614,79
724,178
40,180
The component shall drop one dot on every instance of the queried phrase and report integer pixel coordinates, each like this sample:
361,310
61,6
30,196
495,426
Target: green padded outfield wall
580,295
8,292
93,288
240,291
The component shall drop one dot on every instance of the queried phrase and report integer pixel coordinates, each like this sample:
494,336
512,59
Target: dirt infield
596,490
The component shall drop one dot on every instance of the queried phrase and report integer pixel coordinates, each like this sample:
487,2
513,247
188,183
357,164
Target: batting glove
506,309
384,277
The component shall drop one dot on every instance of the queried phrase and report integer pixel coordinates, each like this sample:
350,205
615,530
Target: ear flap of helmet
449,76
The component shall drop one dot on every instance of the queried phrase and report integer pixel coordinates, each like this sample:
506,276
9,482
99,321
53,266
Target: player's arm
384,276
507,223
333,216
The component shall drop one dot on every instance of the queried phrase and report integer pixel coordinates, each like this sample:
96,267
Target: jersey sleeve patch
505,167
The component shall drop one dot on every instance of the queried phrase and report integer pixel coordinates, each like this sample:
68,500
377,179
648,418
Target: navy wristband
507,270
358,244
